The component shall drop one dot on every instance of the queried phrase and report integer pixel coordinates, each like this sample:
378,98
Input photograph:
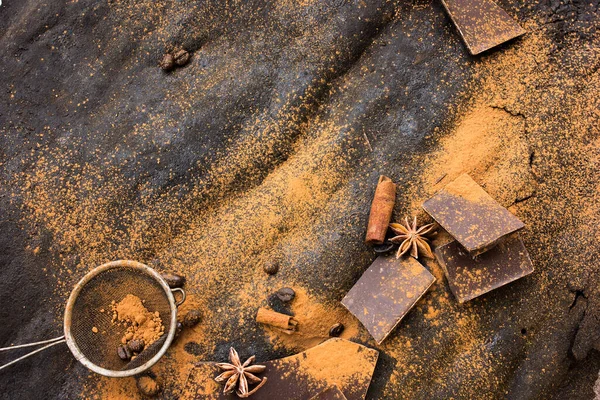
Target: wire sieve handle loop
180,302
52,342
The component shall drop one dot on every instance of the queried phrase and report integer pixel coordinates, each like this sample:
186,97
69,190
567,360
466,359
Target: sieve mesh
113,285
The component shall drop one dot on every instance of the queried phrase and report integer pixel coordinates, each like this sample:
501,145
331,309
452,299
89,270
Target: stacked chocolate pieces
487,252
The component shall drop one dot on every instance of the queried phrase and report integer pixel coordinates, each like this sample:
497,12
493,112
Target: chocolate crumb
336,330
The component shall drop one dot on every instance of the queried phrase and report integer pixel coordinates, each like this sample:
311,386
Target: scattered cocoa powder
148,386
314,322
83,207
352,368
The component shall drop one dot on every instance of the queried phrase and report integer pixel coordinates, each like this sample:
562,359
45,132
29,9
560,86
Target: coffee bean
271,267
174,280
336,330
181,57
124,353
384,248
286,294
192,318
136,345
148,386
167,63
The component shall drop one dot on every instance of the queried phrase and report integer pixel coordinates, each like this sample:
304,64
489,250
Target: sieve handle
52,342
180,290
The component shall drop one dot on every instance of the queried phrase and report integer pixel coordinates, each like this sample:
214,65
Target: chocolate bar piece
470,277
298,377
386,292
482,23
331,393
471,215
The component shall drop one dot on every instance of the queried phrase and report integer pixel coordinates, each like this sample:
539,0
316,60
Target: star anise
413,239
240,374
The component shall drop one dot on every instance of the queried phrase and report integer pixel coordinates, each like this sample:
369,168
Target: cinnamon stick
381,210
277,320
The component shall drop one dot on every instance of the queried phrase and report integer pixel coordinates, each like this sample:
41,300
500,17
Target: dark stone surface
81,77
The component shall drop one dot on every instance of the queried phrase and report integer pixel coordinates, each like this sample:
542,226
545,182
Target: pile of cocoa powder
141,323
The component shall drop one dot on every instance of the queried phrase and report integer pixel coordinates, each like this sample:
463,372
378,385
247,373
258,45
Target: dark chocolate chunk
471,215
470,277
277,305
336,330
386,292
286,294
384,248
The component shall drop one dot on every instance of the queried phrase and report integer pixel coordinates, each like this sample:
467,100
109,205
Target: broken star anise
413,239
240,374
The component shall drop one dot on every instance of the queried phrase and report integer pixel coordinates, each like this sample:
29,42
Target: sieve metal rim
77,353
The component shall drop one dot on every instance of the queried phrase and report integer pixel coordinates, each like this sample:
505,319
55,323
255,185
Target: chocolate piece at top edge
331,393
471,215
482,23
470,277
386,292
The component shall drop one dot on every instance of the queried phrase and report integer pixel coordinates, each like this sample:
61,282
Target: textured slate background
84,73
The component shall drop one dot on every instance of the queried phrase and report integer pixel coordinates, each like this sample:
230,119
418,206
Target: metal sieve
90,333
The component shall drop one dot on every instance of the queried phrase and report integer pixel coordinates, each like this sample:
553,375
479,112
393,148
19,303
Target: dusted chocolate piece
304,375
482,23
332,393
470,277
386,292
471,215
381,210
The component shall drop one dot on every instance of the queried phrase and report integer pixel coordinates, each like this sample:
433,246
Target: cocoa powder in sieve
141,323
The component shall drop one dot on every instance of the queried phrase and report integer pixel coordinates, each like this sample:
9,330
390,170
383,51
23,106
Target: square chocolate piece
386,292
470,277
471,215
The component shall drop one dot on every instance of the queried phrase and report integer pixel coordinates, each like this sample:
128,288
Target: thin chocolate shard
482,24
386,292
331,393
471,215
300,376
470,277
